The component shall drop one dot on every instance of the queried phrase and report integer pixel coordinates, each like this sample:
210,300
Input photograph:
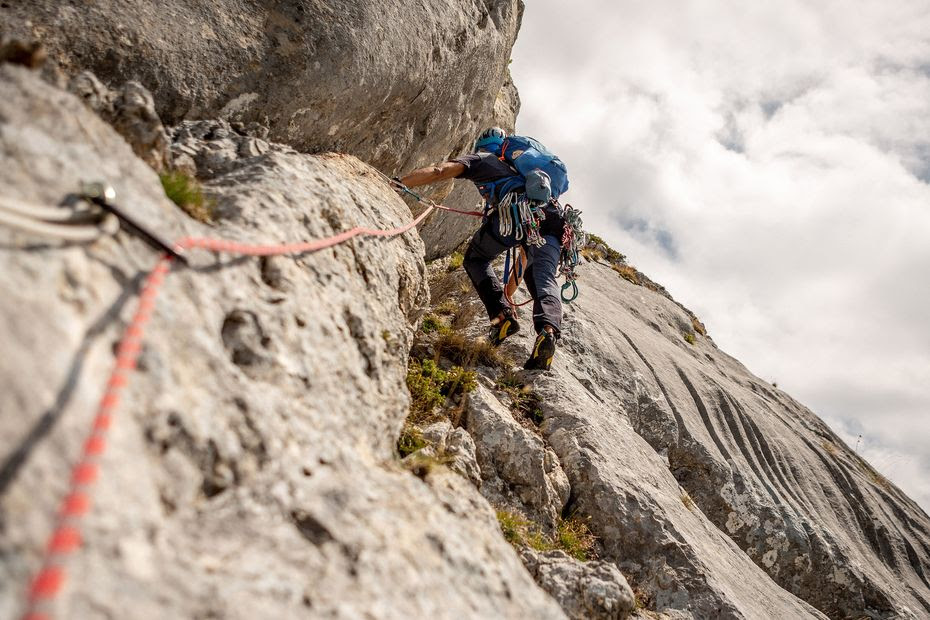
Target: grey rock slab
761,467
676,556
455,447
519,471
397,84
592,590
444,231
130,109
249,470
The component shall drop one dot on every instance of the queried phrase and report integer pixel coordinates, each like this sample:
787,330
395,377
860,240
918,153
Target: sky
769,164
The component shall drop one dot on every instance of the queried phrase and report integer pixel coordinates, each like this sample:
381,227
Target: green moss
455,261
689,337
184,191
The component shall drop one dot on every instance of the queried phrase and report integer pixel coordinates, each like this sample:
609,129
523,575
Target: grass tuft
432,323
627,273
598,245
430,385
455,261
572,535
185,191
467,352
689,337
524,401
410,441
687,501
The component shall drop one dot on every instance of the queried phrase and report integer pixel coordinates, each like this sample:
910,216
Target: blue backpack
527,154
540,173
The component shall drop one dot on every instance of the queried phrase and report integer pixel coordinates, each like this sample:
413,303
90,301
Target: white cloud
769,164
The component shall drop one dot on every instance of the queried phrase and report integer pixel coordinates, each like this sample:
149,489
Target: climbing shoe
499,331
543,351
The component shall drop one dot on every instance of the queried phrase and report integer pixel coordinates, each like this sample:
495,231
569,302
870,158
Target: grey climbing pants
542,263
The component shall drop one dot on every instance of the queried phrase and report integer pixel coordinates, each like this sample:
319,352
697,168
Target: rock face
253,469
444,232
397,84
717,494
250,472
583,589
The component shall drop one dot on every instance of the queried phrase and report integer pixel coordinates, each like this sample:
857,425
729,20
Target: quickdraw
573,239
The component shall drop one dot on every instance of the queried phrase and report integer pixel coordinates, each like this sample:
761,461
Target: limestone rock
455,447
586,590
518,469
131,111
249,472
395,83
444,232
758,465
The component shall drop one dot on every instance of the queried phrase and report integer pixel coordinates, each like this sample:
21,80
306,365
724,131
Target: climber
498,182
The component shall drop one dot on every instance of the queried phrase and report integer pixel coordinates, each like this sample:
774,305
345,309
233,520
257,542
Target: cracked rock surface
397,84
250,471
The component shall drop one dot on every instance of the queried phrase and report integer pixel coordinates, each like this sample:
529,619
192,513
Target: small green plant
432,323
571,536
430,385
184,191
523,401
410,441
455,261
512,526
387,336
520,532
689,337
575,539
612,255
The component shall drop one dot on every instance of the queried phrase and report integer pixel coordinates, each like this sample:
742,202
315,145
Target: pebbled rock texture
585,590
518,470
397,84
250,471
130,110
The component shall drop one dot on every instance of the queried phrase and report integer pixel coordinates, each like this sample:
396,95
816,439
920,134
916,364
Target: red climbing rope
66,537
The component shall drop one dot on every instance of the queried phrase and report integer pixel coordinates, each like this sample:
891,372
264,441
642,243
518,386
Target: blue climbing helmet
490,140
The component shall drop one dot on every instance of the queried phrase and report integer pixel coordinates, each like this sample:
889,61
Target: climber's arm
432,174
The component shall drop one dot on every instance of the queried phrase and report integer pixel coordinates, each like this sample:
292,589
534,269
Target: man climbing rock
510,220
